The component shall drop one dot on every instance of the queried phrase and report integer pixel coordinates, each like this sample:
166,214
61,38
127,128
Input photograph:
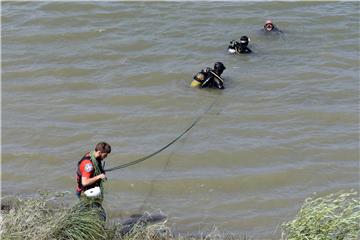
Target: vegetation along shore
335,216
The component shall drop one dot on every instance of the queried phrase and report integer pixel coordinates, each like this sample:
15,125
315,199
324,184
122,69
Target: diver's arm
216,79
219,83
237,47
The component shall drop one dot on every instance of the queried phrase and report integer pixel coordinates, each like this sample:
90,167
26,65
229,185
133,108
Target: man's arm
85,181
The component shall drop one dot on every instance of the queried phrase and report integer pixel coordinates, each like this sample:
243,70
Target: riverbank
335,216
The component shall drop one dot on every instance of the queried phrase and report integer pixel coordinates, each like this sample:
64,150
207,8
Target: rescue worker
240,47
209,77
270,27
90,175
90,172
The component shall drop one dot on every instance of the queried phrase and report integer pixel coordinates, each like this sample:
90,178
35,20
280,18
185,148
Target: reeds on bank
335,216
332,217
41,219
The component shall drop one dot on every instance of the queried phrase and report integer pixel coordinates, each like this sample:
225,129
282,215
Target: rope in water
163,148
164,168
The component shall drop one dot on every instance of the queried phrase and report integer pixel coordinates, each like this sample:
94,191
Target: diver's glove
233,47
206,70
233,43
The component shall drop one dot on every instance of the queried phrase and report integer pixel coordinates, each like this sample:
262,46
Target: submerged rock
141,221
5,207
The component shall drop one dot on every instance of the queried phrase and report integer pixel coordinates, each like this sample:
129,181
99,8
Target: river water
286,126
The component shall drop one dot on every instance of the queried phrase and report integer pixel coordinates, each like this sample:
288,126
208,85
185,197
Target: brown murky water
287,124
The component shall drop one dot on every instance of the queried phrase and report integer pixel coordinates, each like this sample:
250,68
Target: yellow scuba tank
195,83
199,77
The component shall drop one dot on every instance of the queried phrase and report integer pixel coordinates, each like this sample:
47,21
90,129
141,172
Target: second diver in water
210,77
240,47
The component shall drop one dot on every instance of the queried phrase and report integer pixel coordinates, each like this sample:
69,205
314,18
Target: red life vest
80,187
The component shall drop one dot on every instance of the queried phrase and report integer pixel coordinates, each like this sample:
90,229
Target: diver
240,47
210,77
270,27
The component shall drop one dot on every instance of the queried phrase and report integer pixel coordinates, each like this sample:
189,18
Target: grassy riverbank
335,216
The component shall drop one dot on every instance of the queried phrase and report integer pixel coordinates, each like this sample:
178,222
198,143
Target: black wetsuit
275,30
210,80
244,49
240,48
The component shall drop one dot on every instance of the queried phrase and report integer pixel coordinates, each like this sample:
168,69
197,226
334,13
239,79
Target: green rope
166,146
97,172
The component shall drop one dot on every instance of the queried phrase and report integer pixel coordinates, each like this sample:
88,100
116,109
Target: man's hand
102,176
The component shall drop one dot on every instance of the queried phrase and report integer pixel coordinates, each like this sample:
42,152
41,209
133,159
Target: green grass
333,217
40,219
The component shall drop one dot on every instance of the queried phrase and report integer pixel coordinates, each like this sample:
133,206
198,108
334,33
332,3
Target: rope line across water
163,148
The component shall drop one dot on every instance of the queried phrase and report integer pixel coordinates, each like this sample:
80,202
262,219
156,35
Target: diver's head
244,41
219,68
269,26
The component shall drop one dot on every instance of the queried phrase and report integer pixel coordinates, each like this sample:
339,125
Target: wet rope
152,183
163,148
165,167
